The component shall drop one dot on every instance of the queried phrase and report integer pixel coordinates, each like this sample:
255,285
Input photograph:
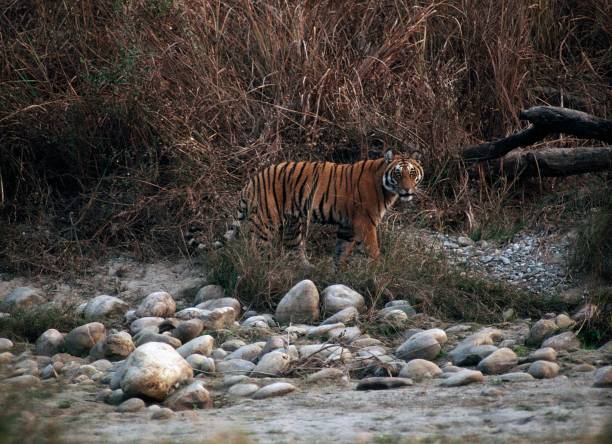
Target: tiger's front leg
344,244
366,232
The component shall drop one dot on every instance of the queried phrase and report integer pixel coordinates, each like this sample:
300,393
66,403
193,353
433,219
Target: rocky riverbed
309,372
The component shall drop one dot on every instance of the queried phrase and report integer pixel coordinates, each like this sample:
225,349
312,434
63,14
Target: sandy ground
558,410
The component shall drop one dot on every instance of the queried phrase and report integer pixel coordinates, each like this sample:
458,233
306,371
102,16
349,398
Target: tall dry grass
124,121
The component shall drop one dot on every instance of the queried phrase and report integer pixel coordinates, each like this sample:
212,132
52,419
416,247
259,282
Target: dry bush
259,275
124,121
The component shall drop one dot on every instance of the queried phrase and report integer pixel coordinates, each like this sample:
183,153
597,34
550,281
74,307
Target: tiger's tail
240,216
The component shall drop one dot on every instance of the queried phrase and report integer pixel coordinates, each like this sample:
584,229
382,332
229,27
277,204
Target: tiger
284,198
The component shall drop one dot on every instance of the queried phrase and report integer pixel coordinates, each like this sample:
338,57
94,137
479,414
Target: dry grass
124,121
259,275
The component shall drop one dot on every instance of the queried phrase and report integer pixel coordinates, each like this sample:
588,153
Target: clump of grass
596,329
593,246
29,324
259,275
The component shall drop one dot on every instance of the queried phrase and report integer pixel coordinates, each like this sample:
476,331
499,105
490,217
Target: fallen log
554,162
545,120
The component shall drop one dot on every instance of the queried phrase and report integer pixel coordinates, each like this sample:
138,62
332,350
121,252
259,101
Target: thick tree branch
545,120
554,162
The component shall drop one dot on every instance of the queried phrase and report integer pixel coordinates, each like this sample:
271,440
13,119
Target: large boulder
81,339
153,370
338,297
21,298
300,304
158,304
104,306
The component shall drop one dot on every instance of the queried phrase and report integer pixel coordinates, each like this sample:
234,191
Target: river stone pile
182,360
533,261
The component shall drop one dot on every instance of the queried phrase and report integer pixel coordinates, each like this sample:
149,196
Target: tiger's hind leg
293,233
345,242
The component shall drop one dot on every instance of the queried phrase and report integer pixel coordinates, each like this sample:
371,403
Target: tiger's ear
388,156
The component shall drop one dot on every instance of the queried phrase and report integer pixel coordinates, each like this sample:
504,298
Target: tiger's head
402,176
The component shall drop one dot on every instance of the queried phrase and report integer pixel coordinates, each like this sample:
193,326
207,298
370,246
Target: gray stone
235,367
22,298
420,369
202,345
103,307
274,343
300,304
344,335
383,383
500,361
6,357
402,305
543,369
393,316
208,293
201,363
149,323
191,313
146,336
564,322
218,354
325,374
603,377
232,345
323,330
221,303
158,304
516,377
153,369
346,315
115,347
102,365
563,341
188,330
163,413
131,405
116,397
463,352
5,345
49,343
463,377
81,339
272,364
249,352
24,381
192,396
338,297
219,318
543,354
421,345
541,330
243,390
275,389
